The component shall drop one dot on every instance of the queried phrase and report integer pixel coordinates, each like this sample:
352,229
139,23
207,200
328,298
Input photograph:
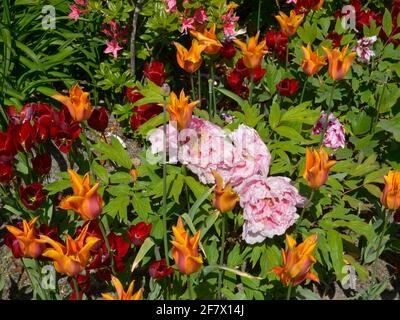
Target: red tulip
41,164
228,51
242,69
64,130
6,173
7,148
288,87
159,270
235,81
336,39
143,113
277,42
83,286
99,119
155,72
133,94
138,233
32,195
23,135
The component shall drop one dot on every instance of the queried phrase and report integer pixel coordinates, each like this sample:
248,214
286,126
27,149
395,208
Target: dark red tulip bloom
6,173
235,81
64,130
258,74
242,69
133,94
13,244
23,135
397,217
138,233
288,87
159,270
93,231
142,114
7,148
52,233
83,286
155,72
32,195
304,6
99,119
336,39
276,41
41,164
228,51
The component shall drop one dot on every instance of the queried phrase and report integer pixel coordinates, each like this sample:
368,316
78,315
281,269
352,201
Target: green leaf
233,96
145,247
392,126
387,22
290,133
274,115
336,252
210,268
114,152
57,186
199,202
302,114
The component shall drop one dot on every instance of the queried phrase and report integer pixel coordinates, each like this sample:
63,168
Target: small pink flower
187,24
200,16
335,134
291,1
171,5
363,48
113,47
75,12
269,207
82,3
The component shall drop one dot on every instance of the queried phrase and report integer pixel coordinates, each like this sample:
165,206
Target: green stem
210,98
192,85
258,15
330,107
289,292
103,232
213,89
251,87
164,201
190,287
382,235
304,90
199,85
78,297
304,210
221,258
184,171
287,56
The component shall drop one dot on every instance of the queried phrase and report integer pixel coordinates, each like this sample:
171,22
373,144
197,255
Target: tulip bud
391,193
99,119
225,198
139,232
165,90
317,167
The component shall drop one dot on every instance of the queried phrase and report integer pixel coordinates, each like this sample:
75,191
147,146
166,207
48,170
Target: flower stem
330,107
184,171
258,14
221,258
103,232
289,292
287,56
199,85
210,98
304,90
382,235
164,164
304,210
192,85
190,287
251,87
378,107
78,297
213,89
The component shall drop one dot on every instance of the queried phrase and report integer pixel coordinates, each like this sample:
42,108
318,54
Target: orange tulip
185,249
312,62
86,201
78,103
181,110
317,167
339,62
72,258
297,262
391,193
191,60
225,198
30,246
208,39
289,24
253,52
121,294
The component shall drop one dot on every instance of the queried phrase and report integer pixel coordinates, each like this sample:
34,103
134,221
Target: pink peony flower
113,47
269,207
187,24
363,48
200,16
156,138
250,156
335,135
75,12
